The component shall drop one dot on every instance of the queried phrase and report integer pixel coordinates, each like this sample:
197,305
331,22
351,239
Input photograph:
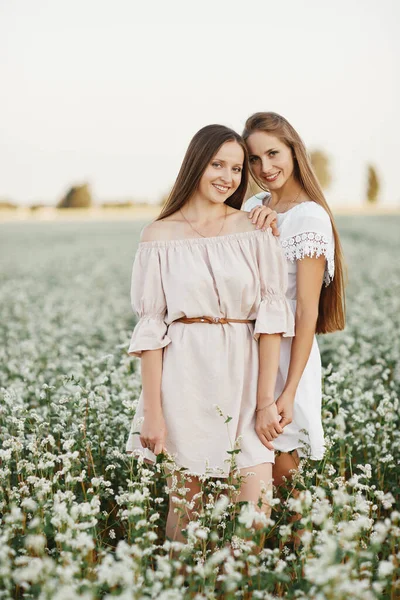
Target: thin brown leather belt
212,320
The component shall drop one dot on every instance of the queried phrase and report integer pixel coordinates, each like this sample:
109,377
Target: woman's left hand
267,425
263,217
284,405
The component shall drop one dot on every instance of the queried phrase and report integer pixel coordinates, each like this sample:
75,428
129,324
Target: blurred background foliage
321,165
373,185
77,197
80,196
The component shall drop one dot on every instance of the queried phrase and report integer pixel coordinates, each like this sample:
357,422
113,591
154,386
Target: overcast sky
111,91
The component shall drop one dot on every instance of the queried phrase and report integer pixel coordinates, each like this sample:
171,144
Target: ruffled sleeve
308,232
274,313
148,302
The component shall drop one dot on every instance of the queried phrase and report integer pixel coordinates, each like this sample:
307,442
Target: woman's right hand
153,433
263,217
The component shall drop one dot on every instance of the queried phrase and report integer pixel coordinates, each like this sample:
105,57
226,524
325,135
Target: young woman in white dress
210,292
280,165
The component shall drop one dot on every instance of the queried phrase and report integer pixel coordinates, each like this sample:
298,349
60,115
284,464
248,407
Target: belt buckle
216,319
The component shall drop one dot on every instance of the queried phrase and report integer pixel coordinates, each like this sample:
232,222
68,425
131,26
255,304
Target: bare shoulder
238,221
162,230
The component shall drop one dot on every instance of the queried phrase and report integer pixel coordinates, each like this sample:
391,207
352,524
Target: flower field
80,519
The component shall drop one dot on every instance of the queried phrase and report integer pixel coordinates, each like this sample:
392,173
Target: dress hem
301,453
136,453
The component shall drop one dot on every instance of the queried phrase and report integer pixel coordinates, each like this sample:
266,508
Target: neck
200,210
287,193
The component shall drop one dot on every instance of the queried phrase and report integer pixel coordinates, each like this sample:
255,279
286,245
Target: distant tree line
7,205
321,166
79,196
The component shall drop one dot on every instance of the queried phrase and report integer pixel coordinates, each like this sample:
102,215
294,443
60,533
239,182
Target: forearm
301,347
151,367
269,349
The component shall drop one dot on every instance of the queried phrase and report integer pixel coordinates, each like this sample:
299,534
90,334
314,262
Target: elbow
307,315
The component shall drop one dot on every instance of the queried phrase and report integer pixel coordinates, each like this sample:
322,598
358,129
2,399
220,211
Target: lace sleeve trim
311,244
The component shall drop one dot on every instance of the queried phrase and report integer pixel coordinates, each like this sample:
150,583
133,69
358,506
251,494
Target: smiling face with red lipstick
271,160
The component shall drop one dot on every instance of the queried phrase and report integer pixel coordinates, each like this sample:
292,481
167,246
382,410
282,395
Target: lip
222,189
271,178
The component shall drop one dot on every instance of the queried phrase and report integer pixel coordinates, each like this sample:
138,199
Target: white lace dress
305,230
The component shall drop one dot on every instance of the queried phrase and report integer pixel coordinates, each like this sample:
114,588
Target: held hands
284,405
153,433
263,217
271,420
267,424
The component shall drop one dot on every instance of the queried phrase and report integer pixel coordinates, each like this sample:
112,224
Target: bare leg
284,464
256,486
178,514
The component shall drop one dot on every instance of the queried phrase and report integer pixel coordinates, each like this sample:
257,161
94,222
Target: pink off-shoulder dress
209,371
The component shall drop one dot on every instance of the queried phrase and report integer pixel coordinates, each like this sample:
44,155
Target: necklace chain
287,203
198,232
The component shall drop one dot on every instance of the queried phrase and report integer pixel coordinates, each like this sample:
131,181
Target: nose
226,175
265,164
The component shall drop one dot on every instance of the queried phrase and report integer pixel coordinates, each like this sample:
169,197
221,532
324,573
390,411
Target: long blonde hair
331,312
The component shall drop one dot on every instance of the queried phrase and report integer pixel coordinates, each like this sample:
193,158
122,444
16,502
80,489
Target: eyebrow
224,161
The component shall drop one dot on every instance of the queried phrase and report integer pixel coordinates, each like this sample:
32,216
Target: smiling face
223,174
271,161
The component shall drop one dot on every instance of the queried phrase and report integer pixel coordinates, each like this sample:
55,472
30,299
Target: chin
274,185
218,200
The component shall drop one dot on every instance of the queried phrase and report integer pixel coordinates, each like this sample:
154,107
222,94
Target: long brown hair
331,313
203,147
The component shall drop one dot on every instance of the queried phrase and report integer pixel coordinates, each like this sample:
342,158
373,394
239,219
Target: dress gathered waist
211,320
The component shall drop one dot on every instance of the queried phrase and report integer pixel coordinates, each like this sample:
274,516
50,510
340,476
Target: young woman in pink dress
310,242
210,293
